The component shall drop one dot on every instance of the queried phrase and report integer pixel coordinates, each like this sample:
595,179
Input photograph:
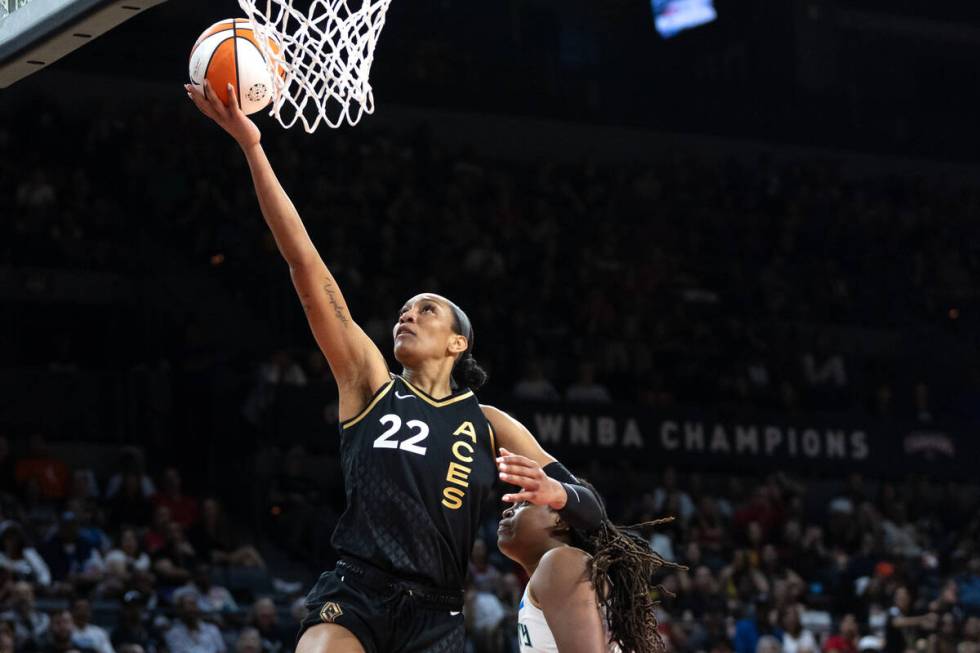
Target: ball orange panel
222,70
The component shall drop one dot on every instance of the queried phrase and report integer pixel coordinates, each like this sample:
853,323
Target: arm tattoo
337,309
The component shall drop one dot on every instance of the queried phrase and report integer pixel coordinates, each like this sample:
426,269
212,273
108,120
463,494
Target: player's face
425,330
525,529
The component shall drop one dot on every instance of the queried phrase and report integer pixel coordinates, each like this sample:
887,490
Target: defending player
418,453
588,592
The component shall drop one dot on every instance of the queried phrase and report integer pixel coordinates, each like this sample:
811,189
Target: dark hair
466,372
469,372
13,529
622,572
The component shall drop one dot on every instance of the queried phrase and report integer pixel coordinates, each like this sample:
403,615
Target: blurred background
727,274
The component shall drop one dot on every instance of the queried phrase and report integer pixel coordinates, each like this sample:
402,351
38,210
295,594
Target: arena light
674,16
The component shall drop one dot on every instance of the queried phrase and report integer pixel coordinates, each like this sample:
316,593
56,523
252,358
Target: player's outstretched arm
355,361
561,586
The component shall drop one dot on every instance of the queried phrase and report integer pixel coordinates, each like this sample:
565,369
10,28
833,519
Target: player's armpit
565,594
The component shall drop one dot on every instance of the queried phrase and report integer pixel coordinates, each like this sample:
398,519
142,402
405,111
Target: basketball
228,53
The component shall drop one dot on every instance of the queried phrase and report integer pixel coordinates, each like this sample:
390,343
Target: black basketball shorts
386,614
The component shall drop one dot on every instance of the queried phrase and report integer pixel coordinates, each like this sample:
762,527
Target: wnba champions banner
746,442
725,442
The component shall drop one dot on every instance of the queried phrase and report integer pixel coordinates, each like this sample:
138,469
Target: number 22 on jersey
394,424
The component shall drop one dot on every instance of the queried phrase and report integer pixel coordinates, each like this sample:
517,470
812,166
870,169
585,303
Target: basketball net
325,51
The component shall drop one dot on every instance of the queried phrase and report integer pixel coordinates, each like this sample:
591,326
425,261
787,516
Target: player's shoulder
564,558
499,419
559,572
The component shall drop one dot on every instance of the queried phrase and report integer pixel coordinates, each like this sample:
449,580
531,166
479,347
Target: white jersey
533,632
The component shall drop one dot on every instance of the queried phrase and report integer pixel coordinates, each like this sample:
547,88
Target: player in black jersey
418,450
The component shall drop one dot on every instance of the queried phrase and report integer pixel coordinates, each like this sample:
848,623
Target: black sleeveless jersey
417,470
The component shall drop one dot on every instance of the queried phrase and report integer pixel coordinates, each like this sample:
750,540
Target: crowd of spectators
117,561
784,286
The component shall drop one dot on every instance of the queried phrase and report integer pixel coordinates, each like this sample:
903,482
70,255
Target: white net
320,54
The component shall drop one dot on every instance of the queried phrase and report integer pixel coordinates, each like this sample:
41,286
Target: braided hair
622,570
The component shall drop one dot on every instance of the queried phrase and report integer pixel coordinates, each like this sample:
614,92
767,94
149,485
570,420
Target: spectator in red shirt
156,536
765,507
183,509
50,473
846,639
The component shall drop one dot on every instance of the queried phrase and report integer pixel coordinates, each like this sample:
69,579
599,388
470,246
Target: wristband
559,472
583,510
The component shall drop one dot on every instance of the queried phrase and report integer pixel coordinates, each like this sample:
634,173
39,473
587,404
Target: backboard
36,33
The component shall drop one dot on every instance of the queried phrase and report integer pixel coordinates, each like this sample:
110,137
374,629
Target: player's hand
536,486
228,116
